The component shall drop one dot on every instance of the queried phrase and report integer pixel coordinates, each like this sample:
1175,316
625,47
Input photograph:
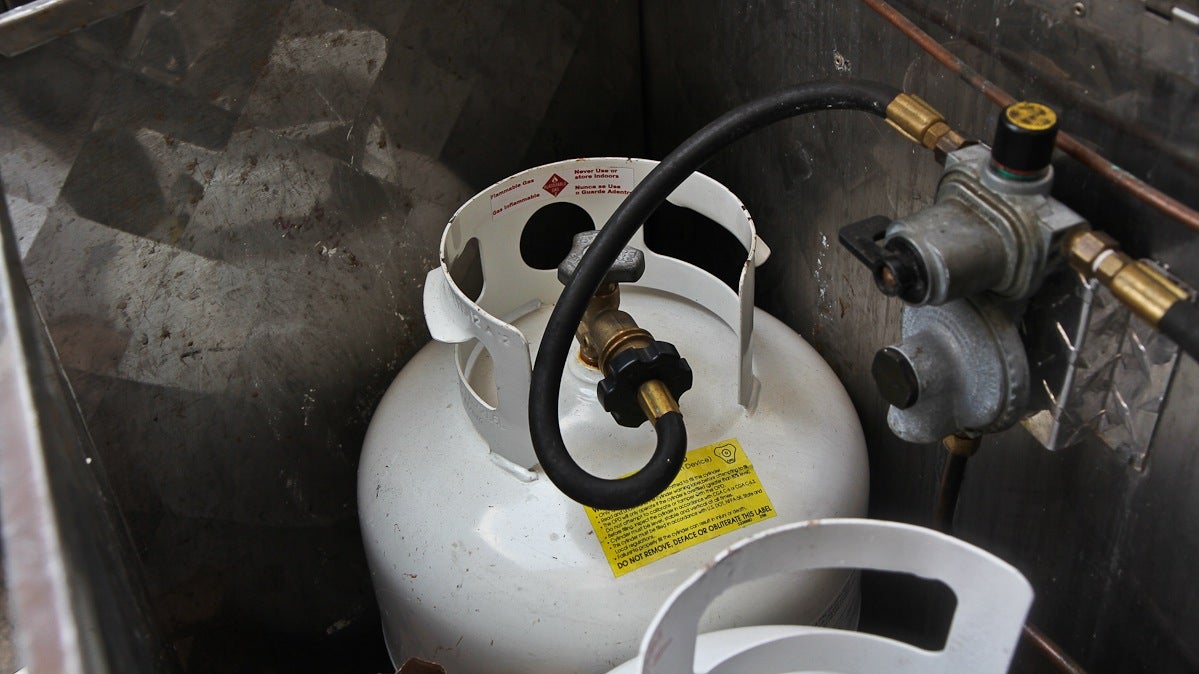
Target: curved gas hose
662,468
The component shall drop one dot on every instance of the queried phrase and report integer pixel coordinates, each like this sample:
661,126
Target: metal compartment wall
135,156
225,212
1110,550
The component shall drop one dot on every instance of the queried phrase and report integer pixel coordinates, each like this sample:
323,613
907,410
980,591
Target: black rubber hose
656,475
1181,324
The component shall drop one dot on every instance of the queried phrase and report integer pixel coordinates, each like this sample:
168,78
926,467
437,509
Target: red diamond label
555,184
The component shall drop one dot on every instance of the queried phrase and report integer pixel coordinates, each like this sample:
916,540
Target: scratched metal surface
1110,550
74,585
27,24
226,210
1097,369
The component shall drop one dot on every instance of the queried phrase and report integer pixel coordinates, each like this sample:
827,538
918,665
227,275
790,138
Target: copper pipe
1052,652
1150,195
960,449
1072,92
947,493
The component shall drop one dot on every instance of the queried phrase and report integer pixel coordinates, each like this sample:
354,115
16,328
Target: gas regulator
967,266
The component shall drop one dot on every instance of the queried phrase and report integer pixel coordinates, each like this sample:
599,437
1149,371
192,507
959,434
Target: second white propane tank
479,563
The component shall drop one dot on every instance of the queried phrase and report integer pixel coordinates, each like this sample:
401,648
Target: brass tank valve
643,377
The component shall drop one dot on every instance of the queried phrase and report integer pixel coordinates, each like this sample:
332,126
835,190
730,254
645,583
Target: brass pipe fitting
920,123
1140,287
607,298
606,332
960,444
656,400
625,339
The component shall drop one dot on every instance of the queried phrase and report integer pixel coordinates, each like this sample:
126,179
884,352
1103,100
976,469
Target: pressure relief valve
643,377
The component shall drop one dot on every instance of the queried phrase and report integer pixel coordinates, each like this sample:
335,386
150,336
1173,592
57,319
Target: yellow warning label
1031,116
716,492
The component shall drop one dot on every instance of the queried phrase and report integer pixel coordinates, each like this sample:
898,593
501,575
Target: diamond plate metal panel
1101,371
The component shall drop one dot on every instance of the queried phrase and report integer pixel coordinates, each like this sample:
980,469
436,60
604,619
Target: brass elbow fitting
606,299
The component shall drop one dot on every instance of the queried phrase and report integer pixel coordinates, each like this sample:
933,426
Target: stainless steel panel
77,591
226,210
28,24
1110,550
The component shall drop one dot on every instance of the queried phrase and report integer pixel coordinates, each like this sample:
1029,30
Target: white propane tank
480,563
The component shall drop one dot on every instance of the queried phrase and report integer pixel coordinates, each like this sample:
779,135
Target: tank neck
482,240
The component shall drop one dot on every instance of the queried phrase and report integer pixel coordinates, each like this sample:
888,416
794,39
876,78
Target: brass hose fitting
960,444
1140,287
656,400
920,123
611,341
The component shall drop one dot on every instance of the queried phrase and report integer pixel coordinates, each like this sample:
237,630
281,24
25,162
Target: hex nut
1086,247
1110,265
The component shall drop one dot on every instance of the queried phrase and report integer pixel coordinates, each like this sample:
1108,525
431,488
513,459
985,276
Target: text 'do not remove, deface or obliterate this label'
715,493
